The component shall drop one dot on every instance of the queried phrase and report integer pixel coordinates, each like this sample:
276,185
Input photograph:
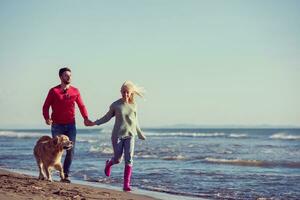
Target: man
61,99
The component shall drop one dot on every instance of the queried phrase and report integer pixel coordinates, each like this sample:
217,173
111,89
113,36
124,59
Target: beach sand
15,186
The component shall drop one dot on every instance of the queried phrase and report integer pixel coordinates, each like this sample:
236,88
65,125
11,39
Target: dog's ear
55,140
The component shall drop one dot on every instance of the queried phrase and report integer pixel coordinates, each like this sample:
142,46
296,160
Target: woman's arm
138,129
106,117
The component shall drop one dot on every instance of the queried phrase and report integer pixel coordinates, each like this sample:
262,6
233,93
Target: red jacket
63,105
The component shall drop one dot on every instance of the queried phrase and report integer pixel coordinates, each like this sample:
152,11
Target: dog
48,152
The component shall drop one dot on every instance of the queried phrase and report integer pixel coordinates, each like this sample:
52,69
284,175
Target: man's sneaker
66,179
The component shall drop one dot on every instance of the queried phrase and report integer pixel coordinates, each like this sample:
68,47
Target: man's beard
67,82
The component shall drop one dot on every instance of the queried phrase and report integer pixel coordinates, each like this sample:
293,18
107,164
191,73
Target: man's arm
46,106
83,111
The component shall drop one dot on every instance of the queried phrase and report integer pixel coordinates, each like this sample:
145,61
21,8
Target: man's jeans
70,131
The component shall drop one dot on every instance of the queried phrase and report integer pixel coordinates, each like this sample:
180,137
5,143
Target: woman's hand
141,136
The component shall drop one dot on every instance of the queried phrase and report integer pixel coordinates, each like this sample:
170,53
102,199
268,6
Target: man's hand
49,122
88,122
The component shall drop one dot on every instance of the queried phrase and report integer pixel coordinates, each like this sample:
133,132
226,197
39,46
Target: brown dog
48,152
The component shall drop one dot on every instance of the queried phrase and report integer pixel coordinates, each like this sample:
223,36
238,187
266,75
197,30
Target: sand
15,186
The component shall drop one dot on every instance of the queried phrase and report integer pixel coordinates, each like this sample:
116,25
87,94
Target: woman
125,129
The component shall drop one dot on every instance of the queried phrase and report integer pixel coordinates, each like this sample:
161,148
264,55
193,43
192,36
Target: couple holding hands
62,98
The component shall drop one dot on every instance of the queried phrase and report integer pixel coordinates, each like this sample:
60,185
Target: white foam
185,134
177,157
146,156
104,150
234,135
87,140
234,161
284,136
13,134
253,163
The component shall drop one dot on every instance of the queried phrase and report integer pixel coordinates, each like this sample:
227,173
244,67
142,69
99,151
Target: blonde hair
136,90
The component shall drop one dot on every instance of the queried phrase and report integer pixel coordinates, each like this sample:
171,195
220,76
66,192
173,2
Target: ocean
199,163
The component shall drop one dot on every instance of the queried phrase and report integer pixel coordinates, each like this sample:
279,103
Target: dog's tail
43,139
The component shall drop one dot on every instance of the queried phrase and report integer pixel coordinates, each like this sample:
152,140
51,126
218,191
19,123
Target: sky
201,62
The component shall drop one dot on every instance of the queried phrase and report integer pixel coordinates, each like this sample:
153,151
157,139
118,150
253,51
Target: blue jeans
70,131
121,145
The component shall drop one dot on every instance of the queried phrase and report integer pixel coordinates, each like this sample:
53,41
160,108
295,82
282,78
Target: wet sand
14,186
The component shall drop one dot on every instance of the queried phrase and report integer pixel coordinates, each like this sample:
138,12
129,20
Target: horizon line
172,127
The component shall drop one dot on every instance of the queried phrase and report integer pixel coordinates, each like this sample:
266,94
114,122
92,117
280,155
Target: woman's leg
116,159
117,144
129,150
128,154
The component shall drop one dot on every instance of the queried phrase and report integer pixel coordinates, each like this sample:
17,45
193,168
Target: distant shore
14,186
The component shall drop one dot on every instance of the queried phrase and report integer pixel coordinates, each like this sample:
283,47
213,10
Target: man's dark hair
62,70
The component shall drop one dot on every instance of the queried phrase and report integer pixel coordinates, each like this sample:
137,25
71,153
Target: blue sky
201,62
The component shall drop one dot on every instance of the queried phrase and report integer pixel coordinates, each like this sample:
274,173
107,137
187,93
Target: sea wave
101,149
234,135
13,134
184,134
253,163
162,189
197,134
79,139
147,156
285,136
176,157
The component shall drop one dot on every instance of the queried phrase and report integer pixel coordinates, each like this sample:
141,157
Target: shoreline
22,184
15,186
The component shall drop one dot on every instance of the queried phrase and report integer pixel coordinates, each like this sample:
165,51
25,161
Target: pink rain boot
107,169
127,177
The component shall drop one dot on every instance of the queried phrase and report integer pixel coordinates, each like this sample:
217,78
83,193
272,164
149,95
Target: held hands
49,122
88,122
